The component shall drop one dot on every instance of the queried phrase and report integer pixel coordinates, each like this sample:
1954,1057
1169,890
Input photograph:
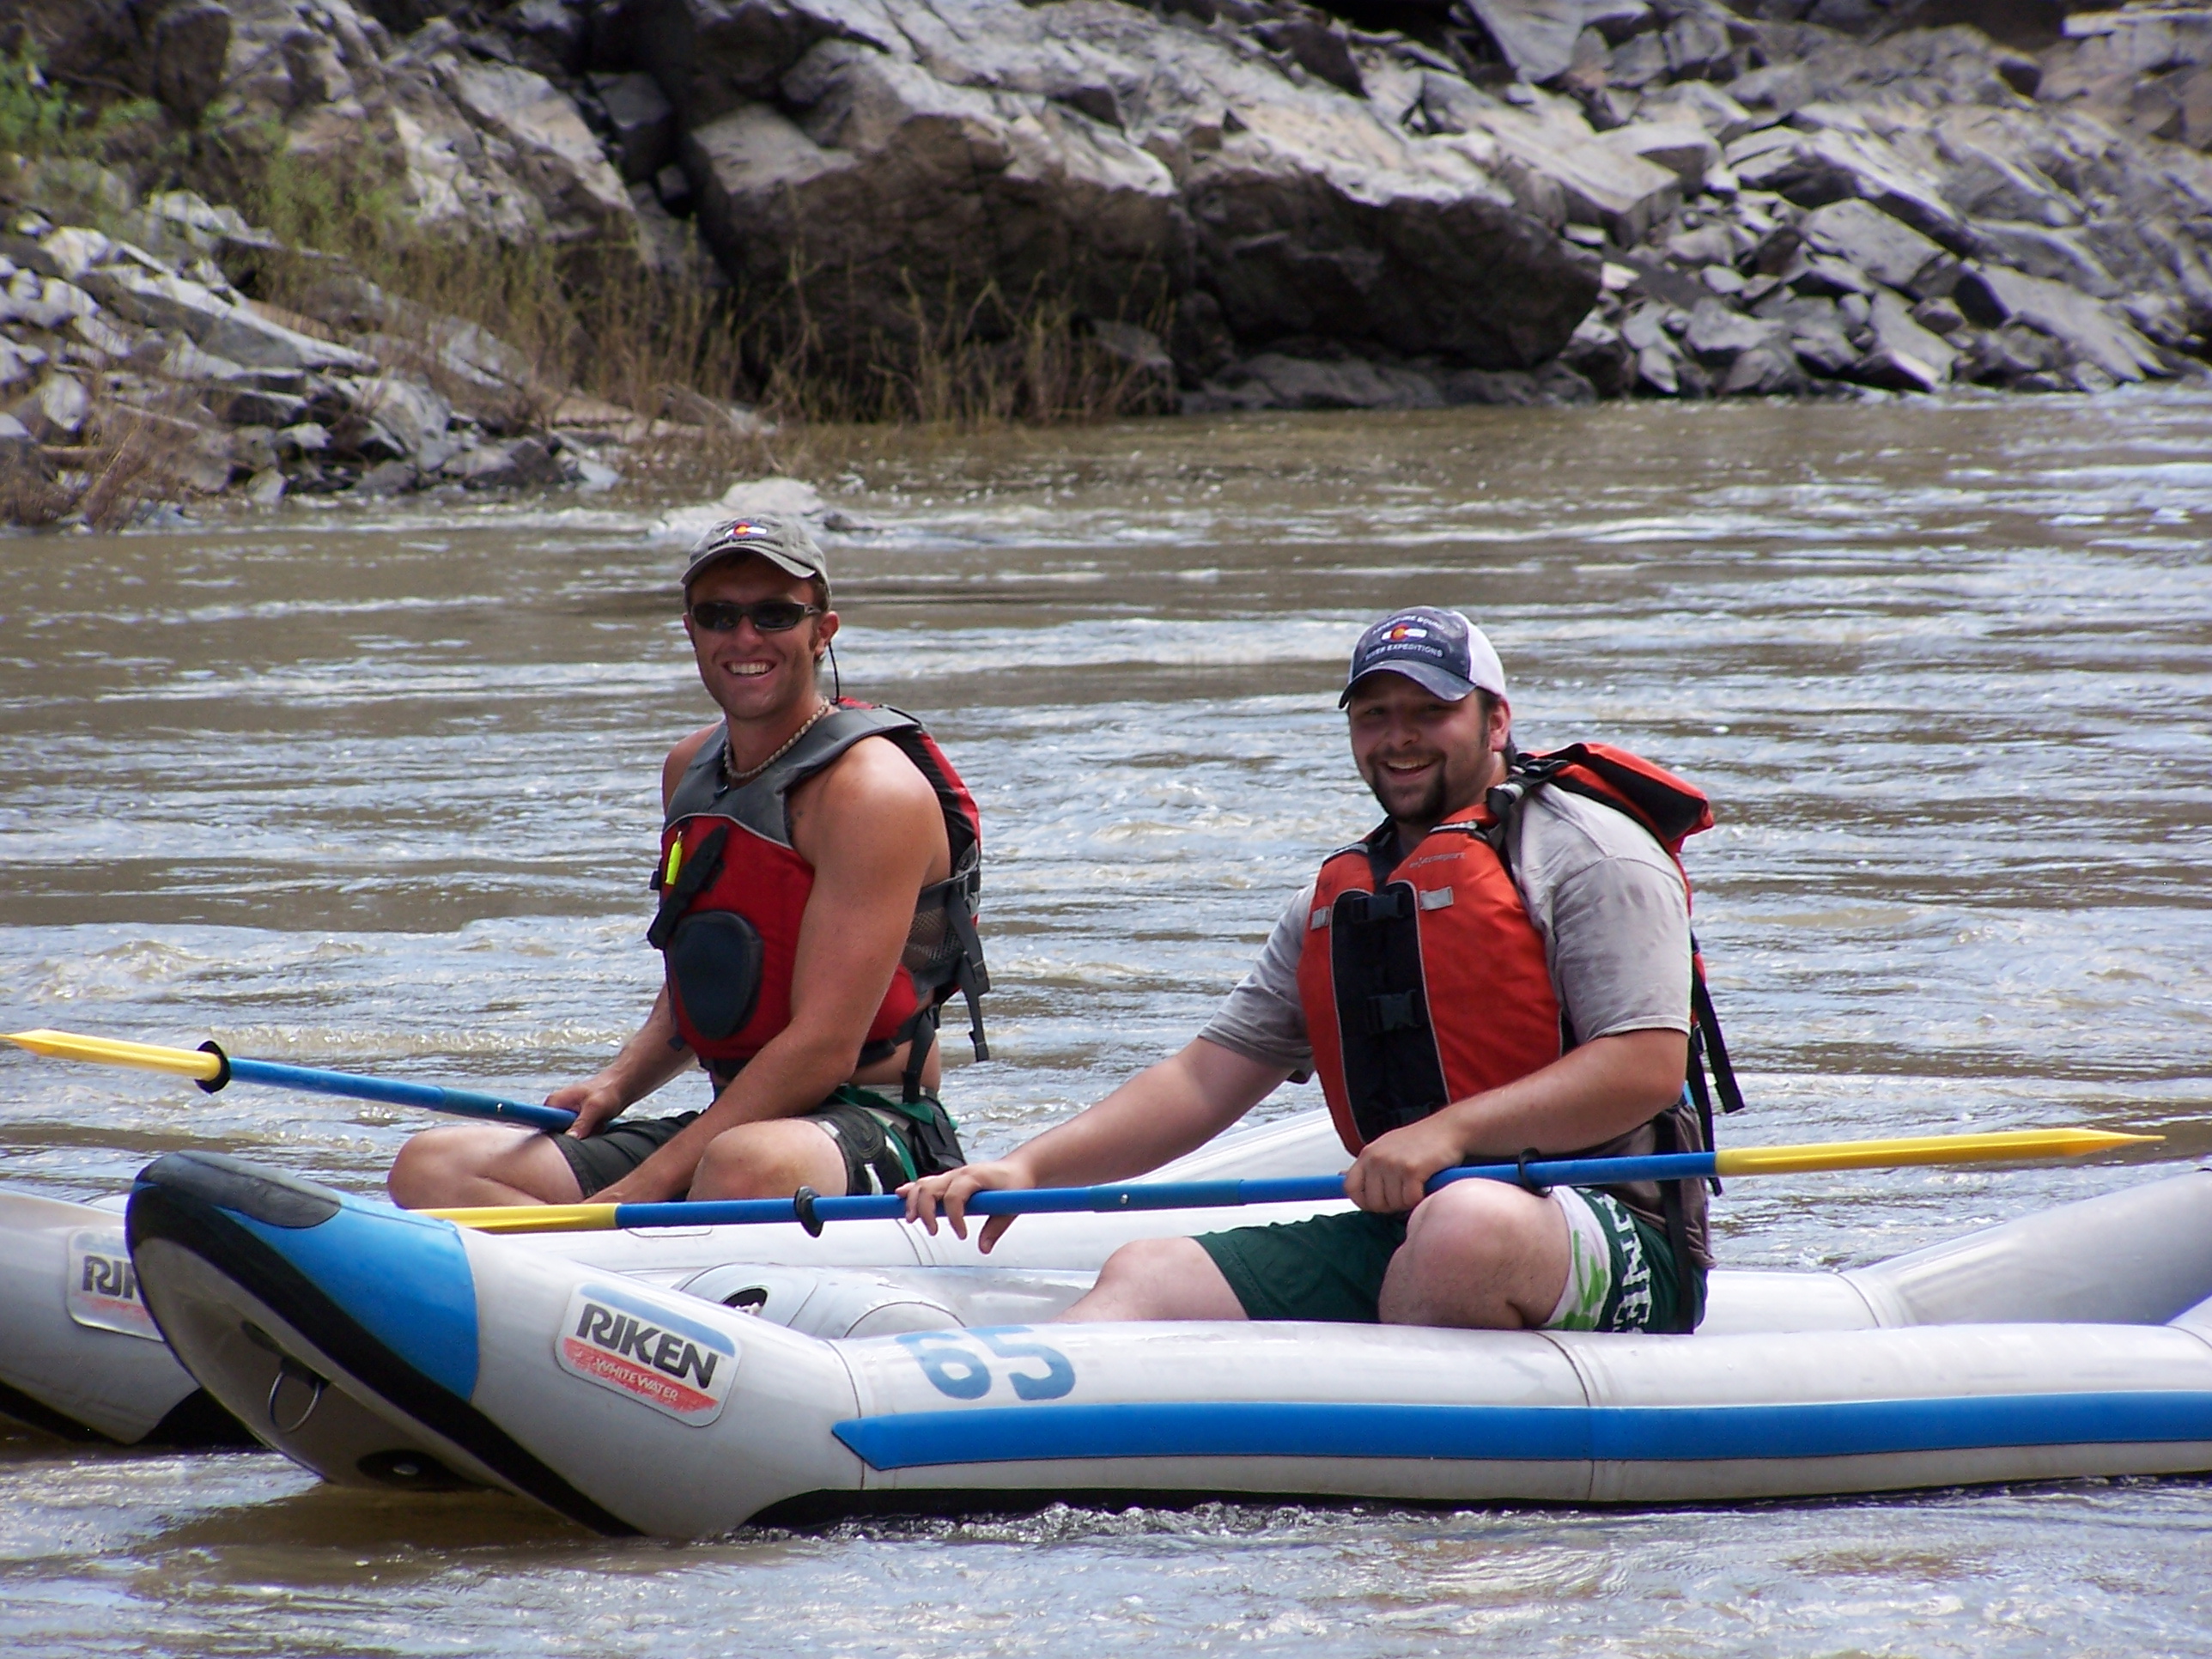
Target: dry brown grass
127,459
596,320
973,360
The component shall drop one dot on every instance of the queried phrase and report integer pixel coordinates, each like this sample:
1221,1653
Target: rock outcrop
133,359
1254,203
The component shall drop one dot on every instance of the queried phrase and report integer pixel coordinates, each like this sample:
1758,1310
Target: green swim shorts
1331,1267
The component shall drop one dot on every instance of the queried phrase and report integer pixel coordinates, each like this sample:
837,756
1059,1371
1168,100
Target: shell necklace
735,778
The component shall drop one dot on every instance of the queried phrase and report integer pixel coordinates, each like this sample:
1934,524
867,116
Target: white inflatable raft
376,1347
80,1356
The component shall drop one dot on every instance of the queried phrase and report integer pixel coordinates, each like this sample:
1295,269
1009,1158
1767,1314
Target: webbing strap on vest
690,880
1393,1072
1708,1049
1689,1300
971,977
968,977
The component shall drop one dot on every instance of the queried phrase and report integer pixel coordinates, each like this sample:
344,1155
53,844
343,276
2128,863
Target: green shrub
38,119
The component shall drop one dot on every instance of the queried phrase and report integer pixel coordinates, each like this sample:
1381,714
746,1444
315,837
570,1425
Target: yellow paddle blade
531,1218
1921,1149
109,1051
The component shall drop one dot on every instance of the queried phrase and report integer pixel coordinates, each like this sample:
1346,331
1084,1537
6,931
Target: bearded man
1503,967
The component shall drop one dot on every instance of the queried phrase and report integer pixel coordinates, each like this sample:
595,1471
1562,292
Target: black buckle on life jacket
1395,1011
1393,1073
971,978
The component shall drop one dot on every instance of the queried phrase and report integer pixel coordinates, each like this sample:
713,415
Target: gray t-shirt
1608,901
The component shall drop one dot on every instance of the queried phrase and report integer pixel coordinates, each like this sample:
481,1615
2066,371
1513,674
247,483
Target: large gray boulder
1994,296
883,165
901,192
1887,249
1904,356
1602,181
533,131
229,328
2146,70
1840,161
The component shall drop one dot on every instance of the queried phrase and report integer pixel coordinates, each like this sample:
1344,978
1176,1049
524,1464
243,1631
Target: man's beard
1428,809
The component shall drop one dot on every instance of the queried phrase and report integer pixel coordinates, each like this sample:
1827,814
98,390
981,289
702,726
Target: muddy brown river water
379,793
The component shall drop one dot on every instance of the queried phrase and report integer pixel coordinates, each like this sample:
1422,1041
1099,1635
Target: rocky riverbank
150,376
1238,203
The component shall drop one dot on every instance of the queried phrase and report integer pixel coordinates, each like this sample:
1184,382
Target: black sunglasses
768,616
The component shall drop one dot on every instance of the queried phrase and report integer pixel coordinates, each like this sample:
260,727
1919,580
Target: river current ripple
379,793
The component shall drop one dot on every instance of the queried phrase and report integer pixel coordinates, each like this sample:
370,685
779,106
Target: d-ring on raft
2075,1343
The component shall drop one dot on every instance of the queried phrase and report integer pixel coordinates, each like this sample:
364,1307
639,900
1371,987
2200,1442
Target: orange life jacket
734,892
1423,980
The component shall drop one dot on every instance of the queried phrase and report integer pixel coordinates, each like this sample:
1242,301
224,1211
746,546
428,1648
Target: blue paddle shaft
462,1102
1160,1194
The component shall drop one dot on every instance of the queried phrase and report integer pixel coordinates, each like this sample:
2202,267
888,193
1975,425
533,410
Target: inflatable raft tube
80,1356
631,1408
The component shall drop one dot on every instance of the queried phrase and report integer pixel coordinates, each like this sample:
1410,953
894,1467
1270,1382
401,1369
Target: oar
212,1069
810,1209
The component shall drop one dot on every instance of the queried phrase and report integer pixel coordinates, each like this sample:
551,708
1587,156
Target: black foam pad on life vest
714,971
1393,1072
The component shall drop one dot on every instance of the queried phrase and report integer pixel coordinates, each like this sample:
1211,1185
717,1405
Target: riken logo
618,1339
101,1290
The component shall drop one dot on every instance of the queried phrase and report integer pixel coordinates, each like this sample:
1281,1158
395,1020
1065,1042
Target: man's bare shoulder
680,758
872,791
874,775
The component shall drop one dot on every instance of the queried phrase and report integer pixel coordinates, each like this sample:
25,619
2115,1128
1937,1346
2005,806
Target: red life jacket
734,892
1423,980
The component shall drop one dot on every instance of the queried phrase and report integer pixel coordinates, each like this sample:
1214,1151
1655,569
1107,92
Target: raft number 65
956,1369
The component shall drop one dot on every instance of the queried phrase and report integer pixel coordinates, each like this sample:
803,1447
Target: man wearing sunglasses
817,875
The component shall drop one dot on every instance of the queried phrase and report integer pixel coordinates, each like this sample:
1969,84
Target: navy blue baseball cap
1441,650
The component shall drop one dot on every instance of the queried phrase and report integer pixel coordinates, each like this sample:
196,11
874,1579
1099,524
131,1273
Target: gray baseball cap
1441,650
784,543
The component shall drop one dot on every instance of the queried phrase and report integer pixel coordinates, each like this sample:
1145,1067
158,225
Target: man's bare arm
654,1055
1589,1096
1164,1111
881,832
656,1052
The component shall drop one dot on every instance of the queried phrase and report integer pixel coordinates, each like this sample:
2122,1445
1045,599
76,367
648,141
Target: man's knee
1476,1224
1148,1260
430,1164
1158,1278
464,1164
1478,1253
769,1160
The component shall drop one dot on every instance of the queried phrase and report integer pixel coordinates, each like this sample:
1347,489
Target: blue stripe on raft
403,1278
1019,1434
